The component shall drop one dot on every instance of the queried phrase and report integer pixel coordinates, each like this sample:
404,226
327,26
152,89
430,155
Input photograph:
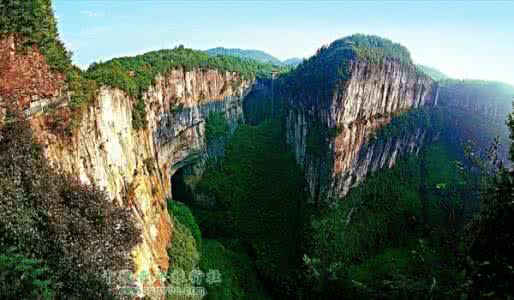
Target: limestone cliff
133,166
329,131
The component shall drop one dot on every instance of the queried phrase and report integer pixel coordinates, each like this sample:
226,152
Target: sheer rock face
364,103
133,166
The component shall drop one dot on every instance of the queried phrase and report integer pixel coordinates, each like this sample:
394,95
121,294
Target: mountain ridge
258,55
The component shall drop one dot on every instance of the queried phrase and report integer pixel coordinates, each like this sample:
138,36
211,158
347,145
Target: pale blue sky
473,39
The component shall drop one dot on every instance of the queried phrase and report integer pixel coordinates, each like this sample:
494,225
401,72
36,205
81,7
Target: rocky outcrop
26,78
342,124
133,166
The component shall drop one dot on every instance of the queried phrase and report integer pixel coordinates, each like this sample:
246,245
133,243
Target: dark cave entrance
180,190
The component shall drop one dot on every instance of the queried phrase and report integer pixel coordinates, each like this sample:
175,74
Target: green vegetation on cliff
34,23
73,231
427,118
319,75
216,125
368,245
135,74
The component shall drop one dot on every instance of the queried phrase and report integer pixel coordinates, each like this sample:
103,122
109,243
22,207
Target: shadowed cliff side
338,98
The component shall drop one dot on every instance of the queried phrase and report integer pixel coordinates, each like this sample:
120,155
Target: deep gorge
348,175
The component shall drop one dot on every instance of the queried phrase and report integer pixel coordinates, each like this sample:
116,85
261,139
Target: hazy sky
465,39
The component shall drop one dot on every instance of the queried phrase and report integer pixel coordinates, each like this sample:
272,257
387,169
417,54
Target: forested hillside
228,174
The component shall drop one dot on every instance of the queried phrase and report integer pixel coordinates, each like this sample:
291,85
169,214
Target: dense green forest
399,236
437,225
240,204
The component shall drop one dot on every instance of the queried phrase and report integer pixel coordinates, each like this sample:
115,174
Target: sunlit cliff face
366,102
133,166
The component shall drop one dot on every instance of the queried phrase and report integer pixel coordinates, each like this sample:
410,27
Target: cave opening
180,190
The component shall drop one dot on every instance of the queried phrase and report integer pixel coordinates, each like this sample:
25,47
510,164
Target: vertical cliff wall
135,167
102,147
330,131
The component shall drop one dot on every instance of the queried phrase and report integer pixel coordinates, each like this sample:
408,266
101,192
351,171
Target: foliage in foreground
24,278
75,230
238,276
489,261
378,225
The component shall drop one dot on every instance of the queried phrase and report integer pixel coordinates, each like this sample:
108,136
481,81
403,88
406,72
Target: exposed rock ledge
362,104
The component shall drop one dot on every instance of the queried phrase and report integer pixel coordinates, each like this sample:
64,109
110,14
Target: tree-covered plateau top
329,66
135,74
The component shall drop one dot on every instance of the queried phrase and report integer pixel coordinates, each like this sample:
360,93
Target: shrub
74,229
184,253
238,276
24,278
183,215
216,125
139,120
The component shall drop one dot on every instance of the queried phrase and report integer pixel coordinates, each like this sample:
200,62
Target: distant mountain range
433,73
293,61
254,54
